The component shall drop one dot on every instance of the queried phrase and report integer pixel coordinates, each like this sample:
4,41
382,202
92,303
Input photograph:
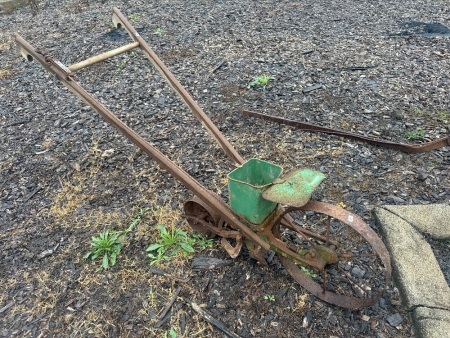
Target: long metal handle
119,20
64,75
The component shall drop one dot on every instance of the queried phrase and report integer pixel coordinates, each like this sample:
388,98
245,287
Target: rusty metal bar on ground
407,148
66,77
120,20
102,57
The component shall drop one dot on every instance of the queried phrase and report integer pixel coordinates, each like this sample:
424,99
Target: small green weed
269,298
137,219
444,115
418,112
202,242
171,333
134,17
174,241
261,81
308,272
124,63
418,134
158,31
109,243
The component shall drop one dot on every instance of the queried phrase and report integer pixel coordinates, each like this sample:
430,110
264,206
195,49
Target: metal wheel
201,218
362,270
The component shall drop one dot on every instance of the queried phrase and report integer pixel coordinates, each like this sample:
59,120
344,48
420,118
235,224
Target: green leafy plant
109,243
418,134
269,298
308,272
158,31
261,81
174,241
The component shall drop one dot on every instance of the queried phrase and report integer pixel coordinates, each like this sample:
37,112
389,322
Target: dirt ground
66,175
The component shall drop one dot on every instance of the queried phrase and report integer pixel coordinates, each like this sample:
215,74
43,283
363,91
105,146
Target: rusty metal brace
407,148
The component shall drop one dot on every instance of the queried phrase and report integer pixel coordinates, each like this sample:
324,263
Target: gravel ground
66,175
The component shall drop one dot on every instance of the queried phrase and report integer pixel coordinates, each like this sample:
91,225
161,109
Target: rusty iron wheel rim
364,230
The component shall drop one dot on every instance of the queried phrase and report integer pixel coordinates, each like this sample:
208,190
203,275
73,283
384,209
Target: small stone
395,319
358,272
423,176
365,318
161,101
307,319
395,199
359,292
333,320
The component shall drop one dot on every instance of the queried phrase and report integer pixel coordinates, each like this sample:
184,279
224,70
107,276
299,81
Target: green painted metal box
246,185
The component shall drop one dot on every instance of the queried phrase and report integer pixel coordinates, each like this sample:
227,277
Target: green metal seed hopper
255,188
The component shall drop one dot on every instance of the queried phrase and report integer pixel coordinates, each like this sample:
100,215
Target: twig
16,123
220,64
207,316
167,308
60,182
310,89
31,194
6,307
209,263
359,68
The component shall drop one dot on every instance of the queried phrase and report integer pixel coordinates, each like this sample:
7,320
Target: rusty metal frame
258,238
65,76
119,20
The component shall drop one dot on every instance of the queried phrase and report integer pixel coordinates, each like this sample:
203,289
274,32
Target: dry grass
70,197
6,72
46,292
5,45
300,303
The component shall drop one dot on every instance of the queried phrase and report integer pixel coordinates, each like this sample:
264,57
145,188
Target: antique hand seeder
331,252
